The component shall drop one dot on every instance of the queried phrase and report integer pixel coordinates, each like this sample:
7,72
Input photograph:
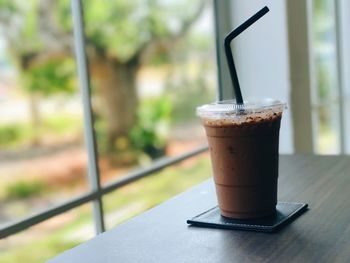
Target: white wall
261,57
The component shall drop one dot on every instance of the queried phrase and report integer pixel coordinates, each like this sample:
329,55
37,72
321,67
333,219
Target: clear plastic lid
230,109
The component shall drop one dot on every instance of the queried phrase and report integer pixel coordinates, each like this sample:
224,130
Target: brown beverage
243,147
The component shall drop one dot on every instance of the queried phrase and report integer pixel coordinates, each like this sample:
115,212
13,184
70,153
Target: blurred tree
121,36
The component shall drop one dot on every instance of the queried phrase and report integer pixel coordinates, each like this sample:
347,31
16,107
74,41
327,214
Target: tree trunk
116,85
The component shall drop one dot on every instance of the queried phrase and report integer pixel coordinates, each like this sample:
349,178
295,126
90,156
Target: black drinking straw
228,51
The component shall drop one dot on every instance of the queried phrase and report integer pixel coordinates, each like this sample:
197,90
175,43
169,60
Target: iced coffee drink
243,143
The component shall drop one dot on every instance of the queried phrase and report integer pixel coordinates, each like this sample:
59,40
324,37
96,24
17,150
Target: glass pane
49,238
327,137
326,95
151,64
42,157
142,195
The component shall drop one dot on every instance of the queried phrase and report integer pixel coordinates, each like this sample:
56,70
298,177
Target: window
43,157
145,84
326,94
330,100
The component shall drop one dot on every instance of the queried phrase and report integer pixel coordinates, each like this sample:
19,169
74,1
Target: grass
153,190
17,134
129,201
63,124
38,251
23,189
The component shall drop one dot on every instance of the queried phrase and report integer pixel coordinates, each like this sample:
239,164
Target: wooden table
161,234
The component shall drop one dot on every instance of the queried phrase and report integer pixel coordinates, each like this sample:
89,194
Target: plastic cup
243,142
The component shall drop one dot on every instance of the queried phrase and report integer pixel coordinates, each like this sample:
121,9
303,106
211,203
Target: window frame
97,191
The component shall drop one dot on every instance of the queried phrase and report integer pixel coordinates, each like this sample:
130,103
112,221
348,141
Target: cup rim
231,108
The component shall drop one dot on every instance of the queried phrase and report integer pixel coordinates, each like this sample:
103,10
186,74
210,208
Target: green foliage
323,22
13,135
9,133
127,202
321,8
24,30
39,251
52,77
63,15
187,94
101,134
323,78
7,7
123,27
63,124
24,189
118,27
150,133
157,188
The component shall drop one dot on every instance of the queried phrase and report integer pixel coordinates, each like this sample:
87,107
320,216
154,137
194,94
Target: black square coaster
285,213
